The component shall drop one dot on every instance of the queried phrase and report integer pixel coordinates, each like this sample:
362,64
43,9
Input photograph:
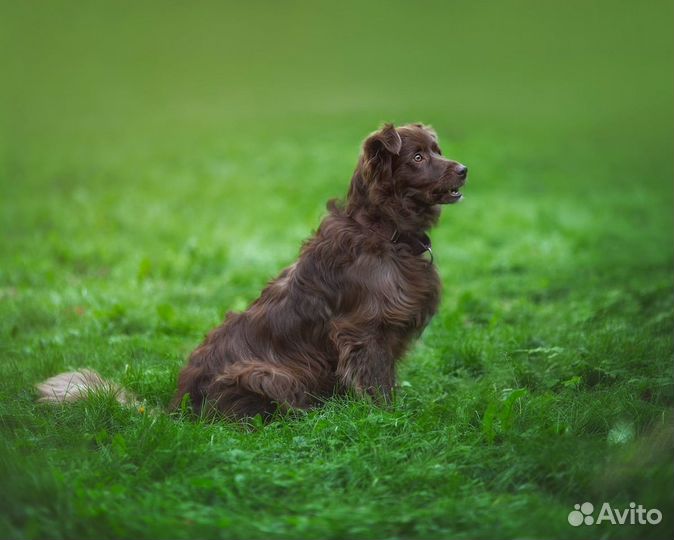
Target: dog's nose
462,172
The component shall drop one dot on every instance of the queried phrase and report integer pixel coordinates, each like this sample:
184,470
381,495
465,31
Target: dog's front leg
365,363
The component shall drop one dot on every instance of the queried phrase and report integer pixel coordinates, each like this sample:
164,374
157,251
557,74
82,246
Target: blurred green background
572,97
195,69
159,162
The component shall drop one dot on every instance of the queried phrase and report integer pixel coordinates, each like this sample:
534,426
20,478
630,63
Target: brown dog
342,316
338,319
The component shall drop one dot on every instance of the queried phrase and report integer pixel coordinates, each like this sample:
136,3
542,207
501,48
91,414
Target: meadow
159,163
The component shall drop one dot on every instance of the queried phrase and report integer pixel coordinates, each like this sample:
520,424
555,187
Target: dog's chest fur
364,278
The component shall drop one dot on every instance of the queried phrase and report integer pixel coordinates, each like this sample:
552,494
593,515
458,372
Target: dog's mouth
452,196
455,195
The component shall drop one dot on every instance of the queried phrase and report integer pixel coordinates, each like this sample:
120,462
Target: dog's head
403,173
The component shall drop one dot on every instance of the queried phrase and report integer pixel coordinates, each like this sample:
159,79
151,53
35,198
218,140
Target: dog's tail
75,385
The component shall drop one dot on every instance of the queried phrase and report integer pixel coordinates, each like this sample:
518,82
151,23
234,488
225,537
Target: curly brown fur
340,318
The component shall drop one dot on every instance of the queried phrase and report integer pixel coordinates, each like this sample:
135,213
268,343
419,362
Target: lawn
160,163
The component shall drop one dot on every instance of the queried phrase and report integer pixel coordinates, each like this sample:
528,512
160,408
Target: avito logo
634,515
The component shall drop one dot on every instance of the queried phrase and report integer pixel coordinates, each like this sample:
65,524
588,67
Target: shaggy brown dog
338,319
341,317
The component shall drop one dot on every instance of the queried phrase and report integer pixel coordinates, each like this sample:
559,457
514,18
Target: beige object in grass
74,385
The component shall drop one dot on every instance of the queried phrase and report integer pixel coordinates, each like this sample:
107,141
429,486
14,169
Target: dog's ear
386,138
378,151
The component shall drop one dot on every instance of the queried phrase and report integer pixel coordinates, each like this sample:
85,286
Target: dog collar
418,243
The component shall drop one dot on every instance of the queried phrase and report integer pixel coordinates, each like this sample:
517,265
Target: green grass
159,164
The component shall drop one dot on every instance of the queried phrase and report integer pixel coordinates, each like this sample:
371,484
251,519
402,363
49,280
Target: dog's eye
418,157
